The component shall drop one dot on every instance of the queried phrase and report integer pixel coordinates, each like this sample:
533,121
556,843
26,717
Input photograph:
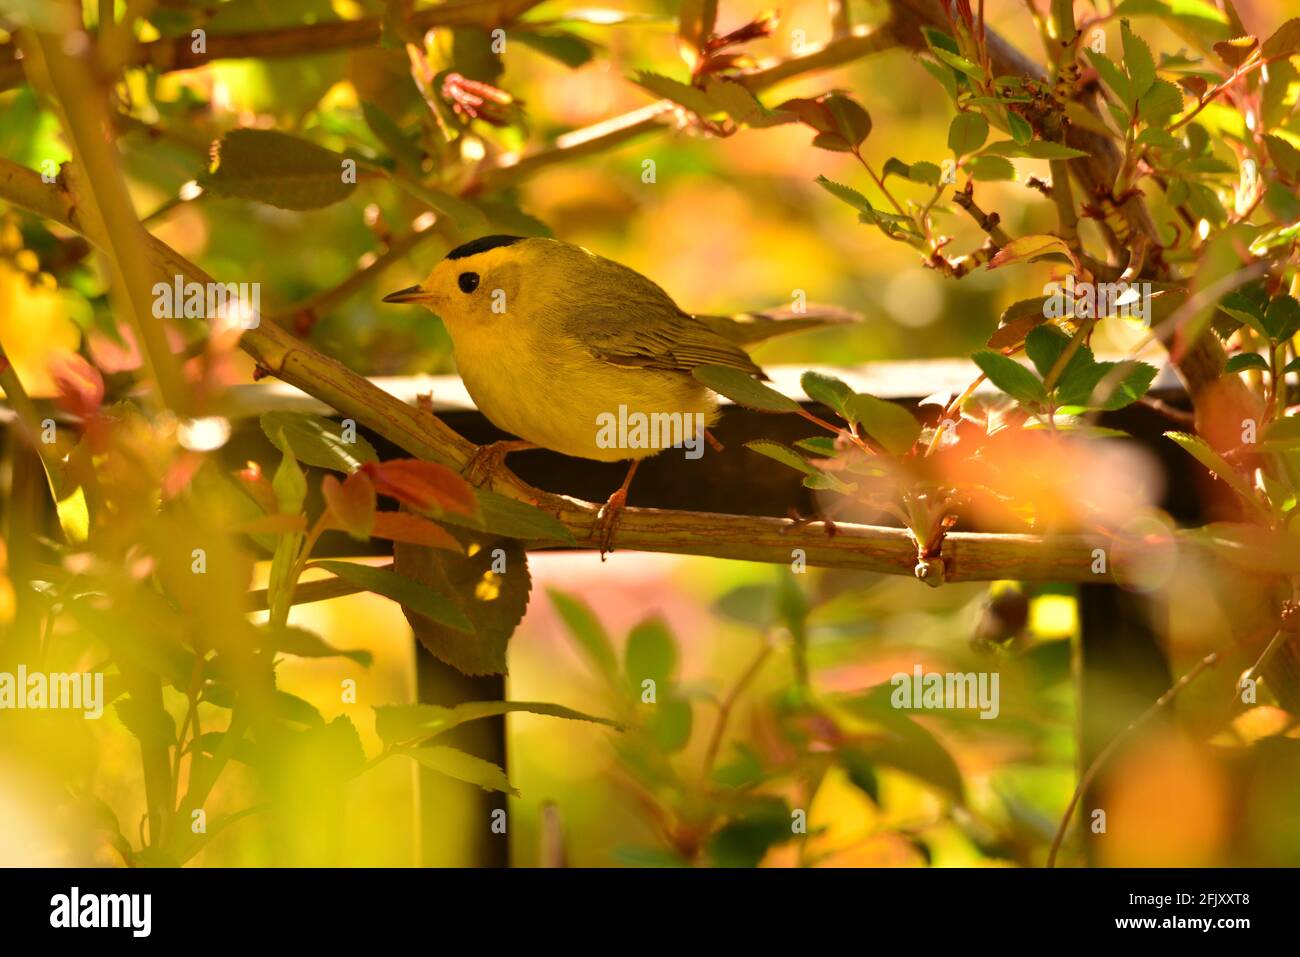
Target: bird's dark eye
468,281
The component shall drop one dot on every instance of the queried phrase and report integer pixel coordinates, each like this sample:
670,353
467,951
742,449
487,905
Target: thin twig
1162,702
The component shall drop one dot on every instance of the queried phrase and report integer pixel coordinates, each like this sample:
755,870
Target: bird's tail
750,328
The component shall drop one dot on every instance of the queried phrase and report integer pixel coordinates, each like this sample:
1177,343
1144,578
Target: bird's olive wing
641,326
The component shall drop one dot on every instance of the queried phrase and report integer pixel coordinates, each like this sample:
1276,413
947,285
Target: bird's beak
409,294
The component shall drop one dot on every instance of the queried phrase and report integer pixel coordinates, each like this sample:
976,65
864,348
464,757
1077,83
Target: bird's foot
478,471
607,520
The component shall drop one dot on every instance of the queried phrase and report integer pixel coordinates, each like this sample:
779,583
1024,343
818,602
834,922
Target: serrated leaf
462,766
1138,62
846,194
1112,76
1200,450
489,586
1036,149
396,724
743,389
1160,103
683,94
1025,249
511,518
895,428
1011,377
827,390
1284,155
278,169
783,454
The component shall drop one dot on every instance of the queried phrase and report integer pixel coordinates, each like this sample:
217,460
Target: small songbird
552,341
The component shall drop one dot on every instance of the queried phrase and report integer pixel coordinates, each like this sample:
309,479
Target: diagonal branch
967,556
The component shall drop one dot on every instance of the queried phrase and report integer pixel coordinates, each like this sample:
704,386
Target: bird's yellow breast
555,394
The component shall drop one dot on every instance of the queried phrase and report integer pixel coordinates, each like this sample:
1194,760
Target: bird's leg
609,514
478,470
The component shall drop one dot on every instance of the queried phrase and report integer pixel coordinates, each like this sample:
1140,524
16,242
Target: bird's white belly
576,404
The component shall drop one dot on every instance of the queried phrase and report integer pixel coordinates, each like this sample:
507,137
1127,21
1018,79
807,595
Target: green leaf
462,766
1243,361
568,48
741,388
670,723
1258,549
1011,377
1044,346
905,745
1160,103
1021,131
1037,149
1138,62
1200,450
827,390
317,440
1282,319
1282,435
289,484
399,145
783,454
1285,41
407,592
1282,202
895,428
742,106
845,194
960,64
1112,76
945,75
302,643
510,518
745,840
988,169
1025,249
1284,155
397,724
148,722
489,584
587,632
683,94
967,133
278,169
651,653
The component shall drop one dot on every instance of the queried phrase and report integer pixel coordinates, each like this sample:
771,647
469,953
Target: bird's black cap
482,245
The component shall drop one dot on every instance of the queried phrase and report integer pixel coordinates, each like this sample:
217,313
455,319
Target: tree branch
178,53
968,556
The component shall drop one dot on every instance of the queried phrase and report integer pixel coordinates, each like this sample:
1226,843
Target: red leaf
422,485
81,387
405,527
351,502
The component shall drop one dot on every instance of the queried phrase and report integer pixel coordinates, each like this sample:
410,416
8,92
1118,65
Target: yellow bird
559,346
